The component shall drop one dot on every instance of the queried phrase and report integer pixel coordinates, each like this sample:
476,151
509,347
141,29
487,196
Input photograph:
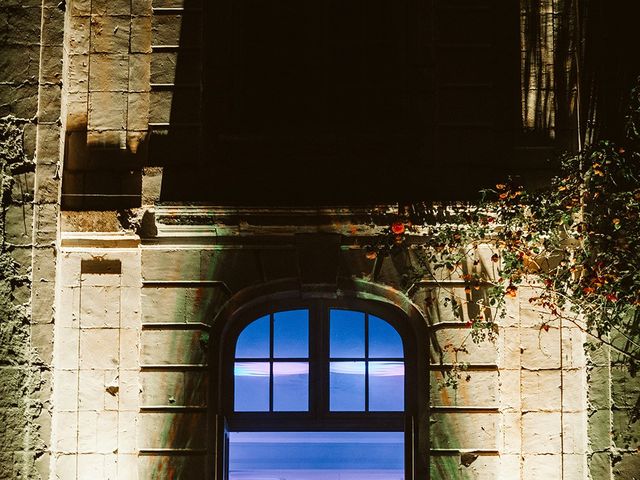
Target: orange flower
397,228
511,290
371,255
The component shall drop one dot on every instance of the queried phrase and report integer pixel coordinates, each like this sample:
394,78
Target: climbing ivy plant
576,241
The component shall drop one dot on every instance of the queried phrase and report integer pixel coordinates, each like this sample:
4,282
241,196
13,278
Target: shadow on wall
101,171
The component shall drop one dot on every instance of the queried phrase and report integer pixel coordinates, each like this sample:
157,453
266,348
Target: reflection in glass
386,386
346,386
251,381
346,334
291,334
384,340
290,386
253,341
316,455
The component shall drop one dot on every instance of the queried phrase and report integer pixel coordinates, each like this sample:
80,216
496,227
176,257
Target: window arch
335,372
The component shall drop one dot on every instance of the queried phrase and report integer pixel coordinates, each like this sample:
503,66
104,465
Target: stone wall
30,88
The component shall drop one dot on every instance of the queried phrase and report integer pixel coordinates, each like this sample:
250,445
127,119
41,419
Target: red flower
397,228
612,297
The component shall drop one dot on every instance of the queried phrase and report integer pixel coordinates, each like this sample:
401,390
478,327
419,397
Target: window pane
386,386
291,334
253,341
346,386
346,334
384,340
316,455
251,386
291,386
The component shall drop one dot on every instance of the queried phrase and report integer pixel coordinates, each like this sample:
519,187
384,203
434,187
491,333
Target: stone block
600,466
541,467
65,390
574,391
42,342
23,27
109,72
476,389
77,112
65,424
46,221
130,311
99,348
166,30
52,26
599,430
42,301
141,34
162,388
78,73
29,139
625,389
573,354
80,7
170,265
509,348
107,432
48,145
91,465
109,280
541,349
111,7
628,466
141,7
172,347
87,431
541,390
47,183
139,73
18,224
100,306
66,348
468,351
19,100
19,63
91,390
64,466
49,103
68,307
464,430
172,430
127,466
138,111
160,106
108,112
79,34
129,340
129,390
574,433
110,34
509,387
511,431
127,432
541,432
599,394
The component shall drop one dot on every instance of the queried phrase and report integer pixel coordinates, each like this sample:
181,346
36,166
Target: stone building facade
136,226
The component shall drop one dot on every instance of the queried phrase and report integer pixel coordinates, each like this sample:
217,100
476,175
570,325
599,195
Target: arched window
318,390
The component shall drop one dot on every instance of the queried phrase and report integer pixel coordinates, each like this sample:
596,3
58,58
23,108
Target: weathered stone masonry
104,322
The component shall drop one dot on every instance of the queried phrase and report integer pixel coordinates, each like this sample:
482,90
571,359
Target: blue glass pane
346,334
316,455
384,340
386,386
253,341
291,334
251,386
291,386
346,386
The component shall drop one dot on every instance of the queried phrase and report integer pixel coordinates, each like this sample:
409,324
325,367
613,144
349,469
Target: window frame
319,419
